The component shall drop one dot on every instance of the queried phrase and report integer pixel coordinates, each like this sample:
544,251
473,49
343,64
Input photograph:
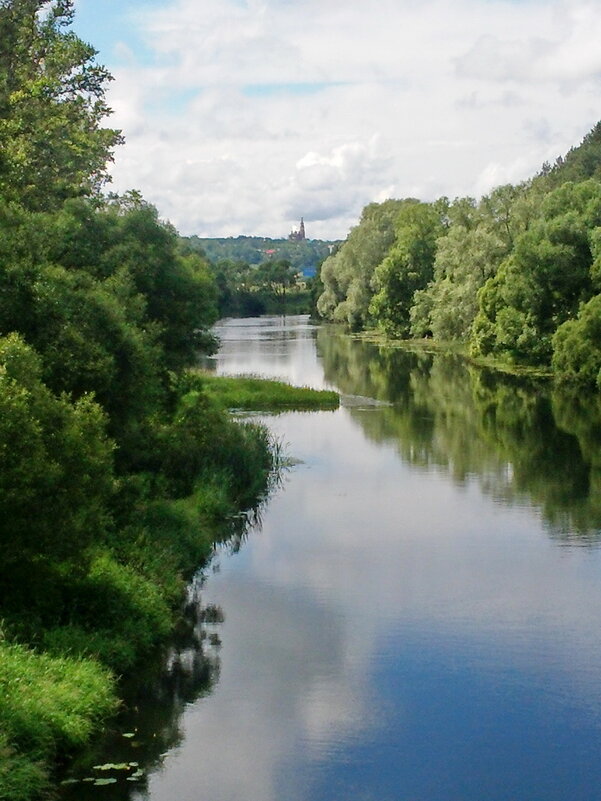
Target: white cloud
246,115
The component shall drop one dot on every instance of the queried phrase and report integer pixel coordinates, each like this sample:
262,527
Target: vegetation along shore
119,468
121,463
513,278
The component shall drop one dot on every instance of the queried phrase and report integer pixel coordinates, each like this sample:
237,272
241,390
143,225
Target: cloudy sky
242,115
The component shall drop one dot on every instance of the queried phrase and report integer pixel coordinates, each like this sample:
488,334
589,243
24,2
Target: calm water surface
417,617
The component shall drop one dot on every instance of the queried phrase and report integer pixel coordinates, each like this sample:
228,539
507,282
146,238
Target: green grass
121,615
261,394
47,705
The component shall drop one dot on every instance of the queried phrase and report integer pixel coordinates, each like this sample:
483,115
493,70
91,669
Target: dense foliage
347,274
116,473
249,290
515,276
52,145
304,256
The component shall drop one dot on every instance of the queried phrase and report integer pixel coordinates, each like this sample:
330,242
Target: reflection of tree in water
155,699
515,436
250,520
156,696
242,524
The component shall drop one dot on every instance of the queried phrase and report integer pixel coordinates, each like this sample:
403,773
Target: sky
241,116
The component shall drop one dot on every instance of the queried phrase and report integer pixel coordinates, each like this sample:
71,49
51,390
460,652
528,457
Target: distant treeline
260,276
515,276
304,256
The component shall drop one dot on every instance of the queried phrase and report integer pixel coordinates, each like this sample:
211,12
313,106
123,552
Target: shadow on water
117,764
115,767
520,439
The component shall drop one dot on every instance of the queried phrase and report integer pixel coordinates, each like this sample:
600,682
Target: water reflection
150,723
523,442
275,346
400,626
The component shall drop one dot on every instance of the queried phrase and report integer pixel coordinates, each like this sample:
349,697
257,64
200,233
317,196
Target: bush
577,347
117,615
21,777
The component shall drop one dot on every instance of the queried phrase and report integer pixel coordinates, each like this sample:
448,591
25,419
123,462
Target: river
415,615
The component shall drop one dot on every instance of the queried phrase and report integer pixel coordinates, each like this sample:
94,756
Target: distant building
298,236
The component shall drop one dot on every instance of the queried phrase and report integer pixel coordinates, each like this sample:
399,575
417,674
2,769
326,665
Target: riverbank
60,682
59,688
453,348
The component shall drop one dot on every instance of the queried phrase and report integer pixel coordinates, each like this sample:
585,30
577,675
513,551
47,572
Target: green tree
544,280
407,268
179,291
52,145
479,237
577,347
347,274
56,475
277,276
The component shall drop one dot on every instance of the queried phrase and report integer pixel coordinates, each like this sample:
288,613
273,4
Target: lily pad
115,766
129,734
103,782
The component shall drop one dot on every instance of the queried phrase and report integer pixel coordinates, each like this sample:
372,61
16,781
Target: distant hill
305,256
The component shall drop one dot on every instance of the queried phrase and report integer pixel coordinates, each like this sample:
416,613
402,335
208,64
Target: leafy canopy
52,103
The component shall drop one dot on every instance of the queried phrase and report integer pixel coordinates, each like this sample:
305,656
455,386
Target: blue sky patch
105,23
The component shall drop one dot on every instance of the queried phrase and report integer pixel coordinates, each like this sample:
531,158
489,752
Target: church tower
298,236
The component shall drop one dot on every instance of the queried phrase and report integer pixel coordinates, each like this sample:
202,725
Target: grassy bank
48,706
261,394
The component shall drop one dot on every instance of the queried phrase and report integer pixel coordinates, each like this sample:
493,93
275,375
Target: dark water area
415,616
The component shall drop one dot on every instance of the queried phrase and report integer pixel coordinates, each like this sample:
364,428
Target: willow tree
541,284
347,274
407,268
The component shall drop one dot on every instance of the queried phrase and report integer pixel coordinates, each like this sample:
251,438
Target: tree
56,472
52,102
347,274
277,276
542,283
577,347
407,268
179,291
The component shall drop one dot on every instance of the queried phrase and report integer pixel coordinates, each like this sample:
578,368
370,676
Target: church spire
300,235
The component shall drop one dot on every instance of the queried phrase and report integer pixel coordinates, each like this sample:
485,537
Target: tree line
117,469
514,276
304,256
